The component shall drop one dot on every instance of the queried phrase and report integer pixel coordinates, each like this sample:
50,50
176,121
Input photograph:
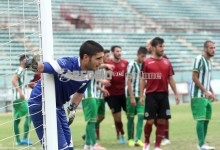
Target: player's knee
150,122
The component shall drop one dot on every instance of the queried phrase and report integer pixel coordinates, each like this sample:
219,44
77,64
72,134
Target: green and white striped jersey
99,94
204,68
21,73
134,70
91,90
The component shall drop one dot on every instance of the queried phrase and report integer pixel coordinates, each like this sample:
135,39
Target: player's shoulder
69,62
199,56
124,61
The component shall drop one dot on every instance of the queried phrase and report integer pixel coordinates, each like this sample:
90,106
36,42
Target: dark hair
106,51
22,57
207,42
156,41
142,50
90,48
115,46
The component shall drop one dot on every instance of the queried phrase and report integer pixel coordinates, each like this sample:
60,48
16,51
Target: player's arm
107,66
16,86
195,79
129,83
104,91
106,83
173,87
142,86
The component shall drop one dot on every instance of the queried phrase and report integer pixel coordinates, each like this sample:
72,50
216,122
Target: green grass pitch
182,131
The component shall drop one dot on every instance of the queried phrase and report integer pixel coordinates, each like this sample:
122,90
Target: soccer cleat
146,146
18,143
131,142
97,147
165,141
139,143
205,147
122,139
26,142
157,148
86,147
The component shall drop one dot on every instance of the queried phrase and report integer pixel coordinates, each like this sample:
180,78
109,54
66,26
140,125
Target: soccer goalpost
50,141
18,26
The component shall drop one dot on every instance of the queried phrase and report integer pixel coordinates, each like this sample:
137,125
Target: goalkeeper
66,83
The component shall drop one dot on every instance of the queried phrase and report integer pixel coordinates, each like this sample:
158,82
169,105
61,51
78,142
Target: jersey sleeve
197,63
58,66
18,72
130,69
83,89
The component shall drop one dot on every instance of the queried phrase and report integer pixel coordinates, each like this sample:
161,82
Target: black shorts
116,102
157,106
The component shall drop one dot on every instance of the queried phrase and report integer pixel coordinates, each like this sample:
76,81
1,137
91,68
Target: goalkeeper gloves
31,63
71,110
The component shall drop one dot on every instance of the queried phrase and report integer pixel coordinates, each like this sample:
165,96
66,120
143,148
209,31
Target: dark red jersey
118,77
157,73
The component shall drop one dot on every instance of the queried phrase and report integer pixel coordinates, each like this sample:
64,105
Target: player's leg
139,126
61,129
149,115
110,101
27,124
163,113
198,106
101,115
18,112
35,111
66,129
130,122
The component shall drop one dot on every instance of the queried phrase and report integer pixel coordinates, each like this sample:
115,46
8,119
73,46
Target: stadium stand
184,25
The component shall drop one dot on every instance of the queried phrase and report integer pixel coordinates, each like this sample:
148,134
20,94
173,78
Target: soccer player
90,114
20,106
157,71
100,94
35,79
117,100
133,98
66,84
202,94
166,139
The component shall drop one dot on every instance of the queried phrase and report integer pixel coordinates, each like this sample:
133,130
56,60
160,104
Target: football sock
130,125
116,129
119,126
147,132
200,132
139,126
90,133
26,126
206,123
16,130
166,129
97,130
159,134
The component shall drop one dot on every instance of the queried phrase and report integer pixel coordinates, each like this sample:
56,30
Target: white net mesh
19,34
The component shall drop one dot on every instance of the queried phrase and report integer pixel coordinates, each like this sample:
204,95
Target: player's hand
142,100
210,95
110,67
71,111
133,101
31,63
106,83
105,92
177,99
22,95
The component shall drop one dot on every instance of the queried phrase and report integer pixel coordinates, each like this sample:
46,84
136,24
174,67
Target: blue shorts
64,133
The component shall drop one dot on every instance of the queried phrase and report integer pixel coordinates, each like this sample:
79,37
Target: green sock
130,125
139,127
206,123
200,132
26,126
16,130
90,133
